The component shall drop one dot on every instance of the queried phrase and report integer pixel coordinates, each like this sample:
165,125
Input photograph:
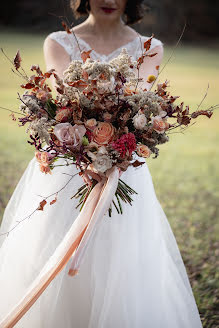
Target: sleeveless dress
132,275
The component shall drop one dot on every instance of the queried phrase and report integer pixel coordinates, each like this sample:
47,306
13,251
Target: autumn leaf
13,116
157,67
147,44
67,29
137,163
42,204
202,112
85,55
17,60
85,75
53,201
152,55
183,120
28,86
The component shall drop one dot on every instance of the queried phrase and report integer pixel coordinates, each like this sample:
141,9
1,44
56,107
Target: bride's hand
93,175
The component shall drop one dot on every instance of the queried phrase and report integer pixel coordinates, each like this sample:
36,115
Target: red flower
125,145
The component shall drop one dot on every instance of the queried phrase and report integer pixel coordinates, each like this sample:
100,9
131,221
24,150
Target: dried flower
125,145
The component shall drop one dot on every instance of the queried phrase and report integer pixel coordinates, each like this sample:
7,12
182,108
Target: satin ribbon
73,244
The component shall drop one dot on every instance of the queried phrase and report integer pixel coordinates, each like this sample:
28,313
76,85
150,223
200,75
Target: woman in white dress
132,275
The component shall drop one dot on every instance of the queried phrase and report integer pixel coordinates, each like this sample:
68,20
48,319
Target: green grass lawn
185,174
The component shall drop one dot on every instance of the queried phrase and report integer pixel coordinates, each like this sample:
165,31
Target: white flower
139,121
106,86
101,160
162,113
41,127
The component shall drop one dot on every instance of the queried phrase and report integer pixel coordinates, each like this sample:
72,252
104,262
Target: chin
108,15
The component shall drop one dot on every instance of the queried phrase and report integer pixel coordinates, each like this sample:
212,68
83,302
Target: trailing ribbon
74,243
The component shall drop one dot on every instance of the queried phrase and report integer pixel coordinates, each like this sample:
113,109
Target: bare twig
206,93
12,111
36,209
167,62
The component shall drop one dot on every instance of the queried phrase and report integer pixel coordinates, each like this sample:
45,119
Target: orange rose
44,160
103,133
143,151
158,124
45,168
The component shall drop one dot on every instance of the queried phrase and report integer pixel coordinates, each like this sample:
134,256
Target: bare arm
149,66
55,57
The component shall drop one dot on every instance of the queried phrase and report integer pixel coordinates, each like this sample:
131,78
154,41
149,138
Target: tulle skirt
132,275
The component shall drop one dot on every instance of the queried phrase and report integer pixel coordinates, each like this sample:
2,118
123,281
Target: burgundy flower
125,145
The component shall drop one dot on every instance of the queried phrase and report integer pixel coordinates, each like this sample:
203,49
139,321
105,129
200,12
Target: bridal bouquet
99,119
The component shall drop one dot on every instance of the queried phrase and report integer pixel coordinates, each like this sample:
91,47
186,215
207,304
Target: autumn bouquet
99,119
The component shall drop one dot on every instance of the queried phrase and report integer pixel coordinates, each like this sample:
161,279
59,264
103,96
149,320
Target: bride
132,275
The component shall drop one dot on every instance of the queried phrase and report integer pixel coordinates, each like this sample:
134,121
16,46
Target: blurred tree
166,18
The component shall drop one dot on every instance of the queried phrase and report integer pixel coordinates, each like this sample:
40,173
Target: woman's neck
103,29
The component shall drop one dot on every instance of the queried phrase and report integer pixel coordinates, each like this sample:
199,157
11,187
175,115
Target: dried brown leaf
42,204
17,60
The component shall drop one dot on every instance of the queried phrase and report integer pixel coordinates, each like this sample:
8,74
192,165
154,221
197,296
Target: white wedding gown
132,275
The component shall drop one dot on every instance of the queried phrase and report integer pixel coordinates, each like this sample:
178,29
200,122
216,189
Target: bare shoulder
55,52
55,42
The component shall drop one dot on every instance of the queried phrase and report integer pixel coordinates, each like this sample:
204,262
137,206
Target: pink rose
70,135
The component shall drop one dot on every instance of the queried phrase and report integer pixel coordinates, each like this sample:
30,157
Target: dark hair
134,10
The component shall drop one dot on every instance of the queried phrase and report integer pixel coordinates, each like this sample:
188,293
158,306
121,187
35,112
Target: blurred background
186,174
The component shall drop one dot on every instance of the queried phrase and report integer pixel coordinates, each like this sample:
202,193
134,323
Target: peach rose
45,169
158,124
143,151
44,159
91,123
103,133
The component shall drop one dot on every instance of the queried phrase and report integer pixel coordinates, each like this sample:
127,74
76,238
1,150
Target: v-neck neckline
87,45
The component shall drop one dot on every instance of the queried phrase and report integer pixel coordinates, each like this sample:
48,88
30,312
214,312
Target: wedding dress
132,275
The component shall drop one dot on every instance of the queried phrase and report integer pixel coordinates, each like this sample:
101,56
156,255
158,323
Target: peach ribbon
73,244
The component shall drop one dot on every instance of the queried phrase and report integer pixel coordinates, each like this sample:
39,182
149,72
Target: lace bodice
68,42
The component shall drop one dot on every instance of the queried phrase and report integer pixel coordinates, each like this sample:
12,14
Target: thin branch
12,111
36,209
173,51
206,93
18,73
72,32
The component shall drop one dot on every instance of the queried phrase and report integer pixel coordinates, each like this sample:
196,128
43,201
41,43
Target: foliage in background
185,175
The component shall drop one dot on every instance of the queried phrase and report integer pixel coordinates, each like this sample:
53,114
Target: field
185,175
